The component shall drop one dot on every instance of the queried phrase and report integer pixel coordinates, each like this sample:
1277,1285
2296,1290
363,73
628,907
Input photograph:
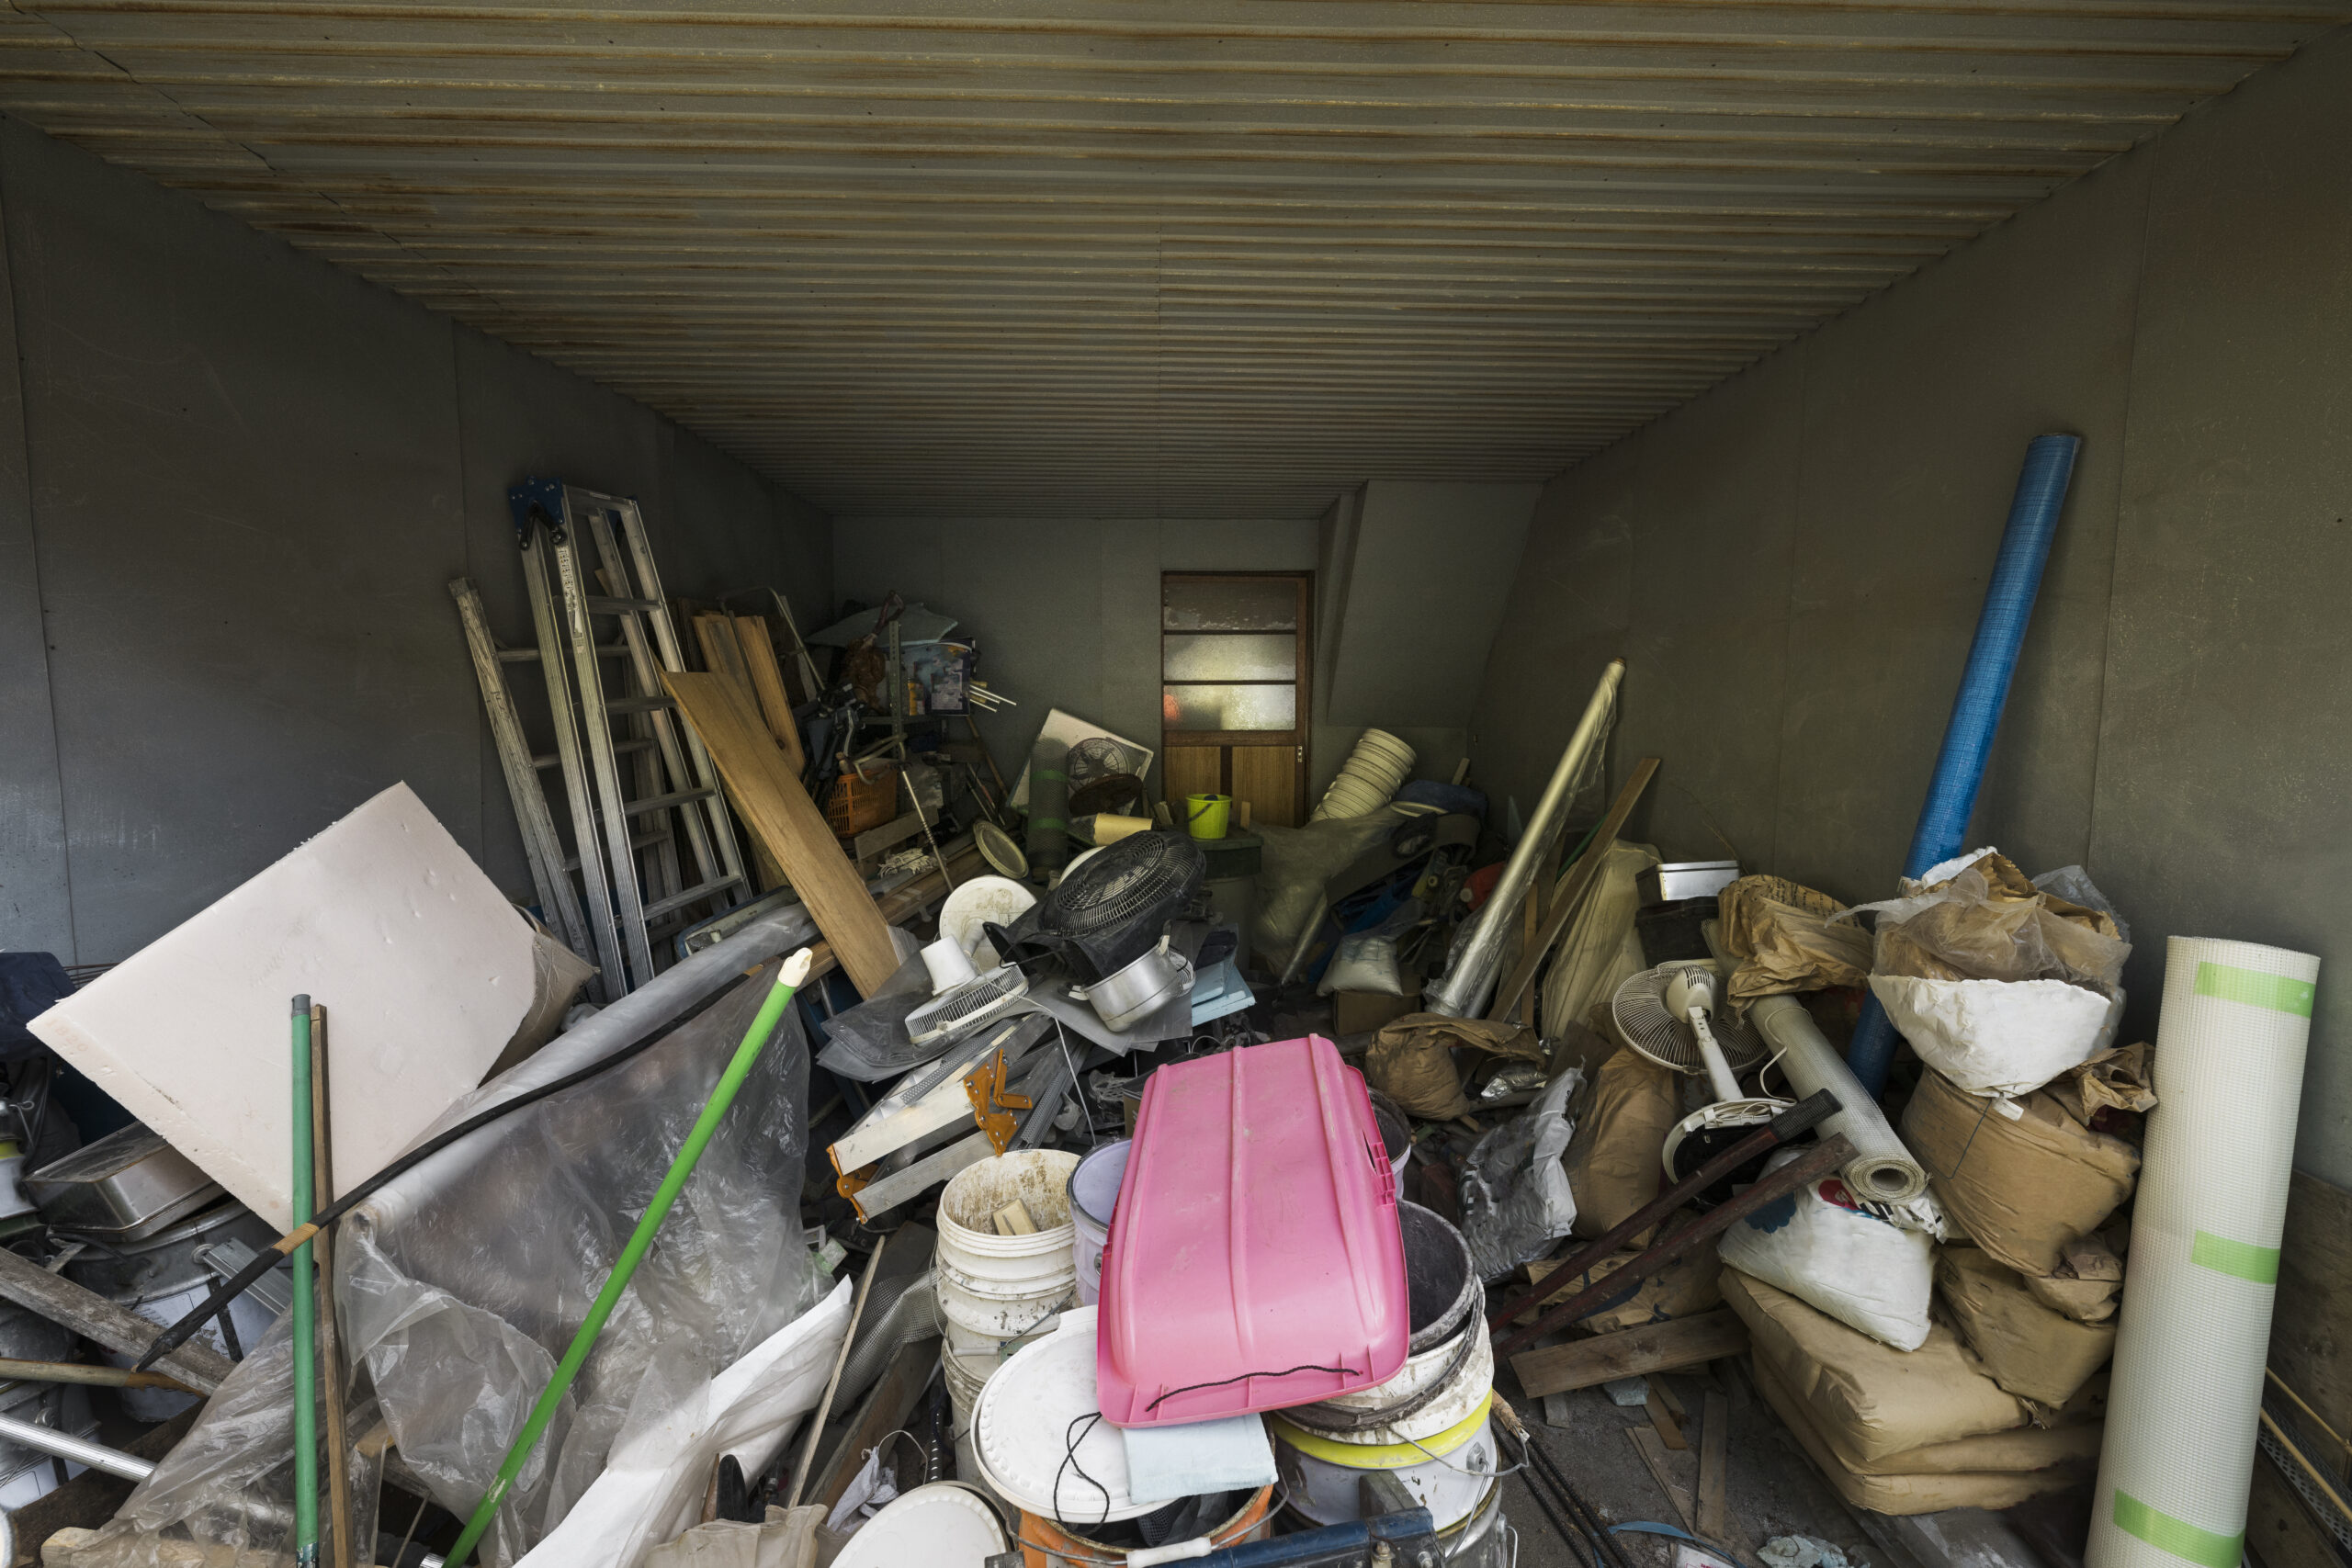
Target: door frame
1303,720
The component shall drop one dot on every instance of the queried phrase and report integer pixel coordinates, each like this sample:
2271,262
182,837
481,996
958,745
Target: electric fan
1668,1015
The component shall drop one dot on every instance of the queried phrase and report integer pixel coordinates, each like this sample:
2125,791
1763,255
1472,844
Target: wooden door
1235,653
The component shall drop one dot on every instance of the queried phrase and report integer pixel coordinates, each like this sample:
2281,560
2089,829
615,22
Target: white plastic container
1093,1197
1459,1392
1006,1286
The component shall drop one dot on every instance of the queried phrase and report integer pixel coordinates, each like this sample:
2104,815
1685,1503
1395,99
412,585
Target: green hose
788,978
306,1306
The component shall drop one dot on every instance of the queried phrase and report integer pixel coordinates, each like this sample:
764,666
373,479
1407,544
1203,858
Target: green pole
640,1241
306,1328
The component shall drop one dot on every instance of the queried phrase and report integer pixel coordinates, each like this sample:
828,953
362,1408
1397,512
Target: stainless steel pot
1136,991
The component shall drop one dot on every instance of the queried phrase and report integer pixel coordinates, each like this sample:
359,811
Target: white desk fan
1668,1015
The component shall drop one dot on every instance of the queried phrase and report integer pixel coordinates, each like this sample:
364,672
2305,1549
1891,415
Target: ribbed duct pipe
1942,831
1048,839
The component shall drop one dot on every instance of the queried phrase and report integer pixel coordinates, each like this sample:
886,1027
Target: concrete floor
1773,1490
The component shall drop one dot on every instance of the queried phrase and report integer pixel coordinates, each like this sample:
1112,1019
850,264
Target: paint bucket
1485,1539
1205,815
942,1523
1439,1273
1448,1472
1006,1286
1434,1392
1045,1544
1094,1196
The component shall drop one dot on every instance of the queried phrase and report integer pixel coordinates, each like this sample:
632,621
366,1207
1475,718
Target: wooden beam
93,1316
780,814
1509,995
1630,1353
767,683
1714,1469
1653,1452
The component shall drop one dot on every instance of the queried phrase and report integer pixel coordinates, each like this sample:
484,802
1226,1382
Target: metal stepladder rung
636,880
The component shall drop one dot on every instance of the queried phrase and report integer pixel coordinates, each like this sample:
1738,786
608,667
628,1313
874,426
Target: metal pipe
80,1451
1464,991
2001,626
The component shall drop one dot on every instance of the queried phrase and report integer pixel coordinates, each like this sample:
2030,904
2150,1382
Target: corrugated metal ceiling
1134,256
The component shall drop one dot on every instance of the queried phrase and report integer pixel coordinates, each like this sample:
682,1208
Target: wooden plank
781,816
884,1410
881,1197
1670,1431
93,1316
1580,881
1714,1468
721,653
767,685
2311,1326
1653,1452
1630,1353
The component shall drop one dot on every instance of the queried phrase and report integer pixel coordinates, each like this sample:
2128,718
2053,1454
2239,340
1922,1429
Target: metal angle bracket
535,500
993,1103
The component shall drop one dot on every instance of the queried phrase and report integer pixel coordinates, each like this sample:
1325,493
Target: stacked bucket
997,1292
1429,1426
1374,770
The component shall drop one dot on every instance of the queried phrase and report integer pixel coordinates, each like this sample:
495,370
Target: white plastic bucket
1094,1196
993,1282
1454,1393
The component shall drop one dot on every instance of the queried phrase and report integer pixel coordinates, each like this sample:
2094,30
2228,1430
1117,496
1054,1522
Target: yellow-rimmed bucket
1448,1472
1205,815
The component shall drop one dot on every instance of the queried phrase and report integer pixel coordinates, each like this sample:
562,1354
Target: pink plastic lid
1255,1260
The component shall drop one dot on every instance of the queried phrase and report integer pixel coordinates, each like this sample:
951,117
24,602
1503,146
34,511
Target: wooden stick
96,1377
86,1313
825,1405
1580,881
330,1367
1714,1469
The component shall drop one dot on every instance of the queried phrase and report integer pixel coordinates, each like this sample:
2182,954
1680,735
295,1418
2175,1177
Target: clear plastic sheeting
1515,1197
462,1282
1600,950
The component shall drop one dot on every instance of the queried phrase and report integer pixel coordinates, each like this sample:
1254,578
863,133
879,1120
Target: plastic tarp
455,1309
1515,1197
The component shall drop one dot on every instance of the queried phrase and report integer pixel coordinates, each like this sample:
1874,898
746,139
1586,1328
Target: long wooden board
1580,881
781,816
93,1316
767,685
1630,1353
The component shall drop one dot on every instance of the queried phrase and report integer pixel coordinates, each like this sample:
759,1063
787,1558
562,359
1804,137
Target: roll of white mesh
2203,1265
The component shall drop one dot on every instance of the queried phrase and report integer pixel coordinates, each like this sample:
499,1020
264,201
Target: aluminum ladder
625,828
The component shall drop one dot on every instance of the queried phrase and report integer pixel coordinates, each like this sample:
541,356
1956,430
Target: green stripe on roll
2279,993
2178,1537
2241,1258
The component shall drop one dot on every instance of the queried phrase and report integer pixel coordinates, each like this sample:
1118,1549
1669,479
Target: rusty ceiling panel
1084,257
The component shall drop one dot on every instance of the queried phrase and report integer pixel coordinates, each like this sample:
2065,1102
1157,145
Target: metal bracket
993,1104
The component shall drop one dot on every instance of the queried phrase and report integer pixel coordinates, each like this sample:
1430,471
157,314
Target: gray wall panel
2187,310
251,478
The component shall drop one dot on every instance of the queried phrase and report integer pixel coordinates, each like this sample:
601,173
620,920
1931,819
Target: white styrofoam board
423,967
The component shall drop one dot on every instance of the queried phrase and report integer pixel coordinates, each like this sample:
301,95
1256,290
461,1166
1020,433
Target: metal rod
1463,991
305,1349
330,1324
1820,1160
80,1451
95,1377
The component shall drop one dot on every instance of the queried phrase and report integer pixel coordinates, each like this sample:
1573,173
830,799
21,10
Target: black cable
178,1334
1245,1377
1071,1437
1569,1537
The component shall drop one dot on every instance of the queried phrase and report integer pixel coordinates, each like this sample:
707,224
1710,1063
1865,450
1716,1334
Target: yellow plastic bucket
1207,815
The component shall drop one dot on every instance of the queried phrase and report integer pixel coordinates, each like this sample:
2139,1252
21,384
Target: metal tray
126,1187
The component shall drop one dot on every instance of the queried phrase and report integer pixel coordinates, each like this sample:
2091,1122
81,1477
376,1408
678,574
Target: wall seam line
1788,595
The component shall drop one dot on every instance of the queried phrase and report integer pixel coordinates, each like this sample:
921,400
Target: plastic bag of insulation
1515,1197
461,1282
1829,1252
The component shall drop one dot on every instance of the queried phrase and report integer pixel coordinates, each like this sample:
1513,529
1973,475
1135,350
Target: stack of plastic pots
1374,770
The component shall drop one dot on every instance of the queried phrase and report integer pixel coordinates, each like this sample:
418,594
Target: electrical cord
179,1333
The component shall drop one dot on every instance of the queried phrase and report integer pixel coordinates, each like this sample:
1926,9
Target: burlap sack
2033,1352
1779,931
1412,1060
2058,1460
2021,1189
1622,1125
2087,1280
1868,1400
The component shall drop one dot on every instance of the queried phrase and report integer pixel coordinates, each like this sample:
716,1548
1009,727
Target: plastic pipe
306,1311
640,1241
1464,992
1984,692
